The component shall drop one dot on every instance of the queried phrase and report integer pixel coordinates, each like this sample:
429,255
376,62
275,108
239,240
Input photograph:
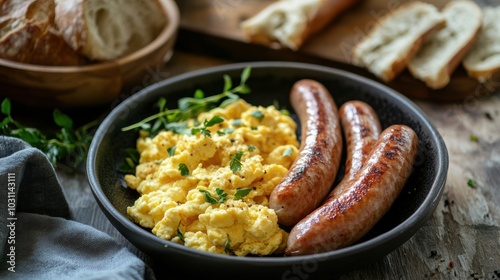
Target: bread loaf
291,22
483,60
390,45
105,30
445,49
28,34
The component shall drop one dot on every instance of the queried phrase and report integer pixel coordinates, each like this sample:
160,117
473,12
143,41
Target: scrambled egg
210,191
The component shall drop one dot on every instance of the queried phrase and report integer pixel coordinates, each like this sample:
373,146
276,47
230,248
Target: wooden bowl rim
173,21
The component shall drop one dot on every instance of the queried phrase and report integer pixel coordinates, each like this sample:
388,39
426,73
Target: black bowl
270,82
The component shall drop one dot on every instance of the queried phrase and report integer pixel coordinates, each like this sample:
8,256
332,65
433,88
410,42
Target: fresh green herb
474,138
235,162
179,232
184,169
240,193
253,128
190,107
237,122
67,143
131,161
257,114
288,152
227,245
225,131
206,124
222,195
283,111
210,199
251,148
471,183
171,151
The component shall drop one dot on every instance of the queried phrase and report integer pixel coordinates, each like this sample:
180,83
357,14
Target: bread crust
484,49
400,63
448,46
30,35
322,13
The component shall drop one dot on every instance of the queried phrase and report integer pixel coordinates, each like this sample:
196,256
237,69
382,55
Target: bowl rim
407,228
172,14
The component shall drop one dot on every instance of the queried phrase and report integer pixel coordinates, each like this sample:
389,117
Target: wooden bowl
88,85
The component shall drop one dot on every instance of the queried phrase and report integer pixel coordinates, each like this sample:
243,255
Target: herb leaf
227,245
240,193
235,162
184,169
257,114
190,107
179,233
171,151
288,152
208,197
67,143
222,195
472,183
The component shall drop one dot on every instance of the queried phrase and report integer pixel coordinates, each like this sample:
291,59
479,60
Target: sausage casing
349,212
311,176
361,128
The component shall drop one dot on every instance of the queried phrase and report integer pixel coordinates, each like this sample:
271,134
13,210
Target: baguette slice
106,30
483,60
389,46
291,22
28,34
445,49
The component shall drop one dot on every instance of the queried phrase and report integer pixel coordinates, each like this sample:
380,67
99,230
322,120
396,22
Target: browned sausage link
361,128
311,176
348,215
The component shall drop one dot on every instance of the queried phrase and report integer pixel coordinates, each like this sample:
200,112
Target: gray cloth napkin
37,238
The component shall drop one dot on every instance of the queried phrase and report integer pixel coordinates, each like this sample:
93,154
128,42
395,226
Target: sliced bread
106,30
289,23
389,46
442,52
483,60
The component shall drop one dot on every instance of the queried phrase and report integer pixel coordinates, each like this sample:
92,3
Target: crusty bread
106,30
28,34
483,60
444,50
291,22
389,46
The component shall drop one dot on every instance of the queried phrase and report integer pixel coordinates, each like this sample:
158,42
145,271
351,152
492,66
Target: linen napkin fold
37,238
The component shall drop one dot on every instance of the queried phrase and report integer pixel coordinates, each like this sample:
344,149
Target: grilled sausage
348,213
311,176
361,128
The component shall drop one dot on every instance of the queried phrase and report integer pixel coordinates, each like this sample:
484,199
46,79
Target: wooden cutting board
212,27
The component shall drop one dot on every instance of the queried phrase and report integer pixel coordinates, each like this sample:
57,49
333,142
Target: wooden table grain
460,241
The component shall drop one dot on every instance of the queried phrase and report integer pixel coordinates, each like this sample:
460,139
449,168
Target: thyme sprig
190,107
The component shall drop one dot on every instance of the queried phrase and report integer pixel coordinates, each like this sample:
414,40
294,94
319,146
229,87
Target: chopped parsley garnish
288,152
171,151
237,122
184,169
251,148
235,162
471,183
179,233
210,199
206,124
240,193
227,245
474,138
257,114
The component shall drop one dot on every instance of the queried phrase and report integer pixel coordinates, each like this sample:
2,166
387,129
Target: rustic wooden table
460,241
